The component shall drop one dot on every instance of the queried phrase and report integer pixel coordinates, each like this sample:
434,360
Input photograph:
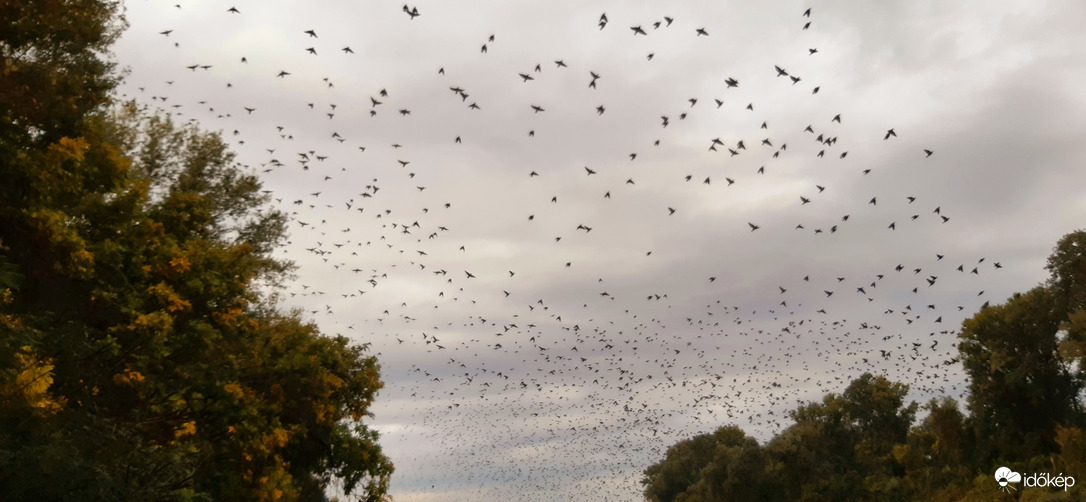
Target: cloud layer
574,357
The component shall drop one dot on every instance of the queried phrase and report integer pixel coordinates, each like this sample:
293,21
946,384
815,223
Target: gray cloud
610,381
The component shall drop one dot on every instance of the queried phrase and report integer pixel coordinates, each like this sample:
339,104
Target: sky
564,279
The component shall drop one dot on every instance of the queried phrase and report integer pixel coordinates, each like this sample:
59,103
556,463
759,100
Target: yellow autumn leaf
234,390
228,317
180,264
156,324
176,304
186,429
128,377
82,262
278,438
73,148
32,382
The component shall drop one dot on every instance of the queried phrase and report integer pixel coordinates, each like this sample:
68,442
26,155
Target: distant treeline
1025,361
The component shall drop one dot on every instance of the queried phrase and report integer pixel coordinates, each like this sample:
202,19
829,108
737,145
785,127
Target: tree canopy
142,353
1024,360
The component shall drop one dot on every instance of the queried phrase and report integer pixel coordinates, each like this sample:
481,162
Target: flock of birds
544,369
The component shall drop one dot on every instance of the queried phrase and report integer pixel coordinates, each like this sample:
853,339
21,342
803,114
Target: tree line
1025,361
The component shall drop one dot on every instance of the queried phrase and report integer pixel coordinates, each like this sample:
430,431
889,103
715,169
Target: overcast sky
573,358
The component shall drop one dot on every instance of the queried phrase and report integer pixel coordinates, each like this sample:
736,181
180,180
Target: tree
839,449
842,447
1068,283
53,75
680,469
1068,268
736,470
934,452
722,465
142,355
1019,387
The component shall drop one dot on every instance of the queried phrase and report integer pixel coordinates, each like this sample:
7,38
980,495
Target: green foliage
138,358
1019,387
704,466
1025,412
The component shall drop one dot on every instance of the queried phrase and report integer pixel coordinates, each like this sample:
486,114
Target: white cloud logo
1005,476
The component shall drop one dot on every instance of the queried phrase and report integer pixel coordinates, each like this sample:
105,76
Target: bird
633,349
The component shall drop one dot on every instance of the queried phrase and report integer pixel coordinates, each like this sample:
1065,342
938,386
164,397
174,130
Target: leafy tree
681,469
1019,387
736,471
1068,268
1068,283
842,447
933,454
838,449
141,357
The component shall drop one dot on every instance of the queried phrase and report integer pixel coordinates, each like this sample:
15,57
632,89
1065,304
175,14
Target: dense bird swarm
575,235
